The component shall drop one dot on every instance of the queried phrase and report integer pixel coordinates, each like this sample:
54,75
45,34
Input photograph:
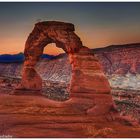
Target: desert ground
35,115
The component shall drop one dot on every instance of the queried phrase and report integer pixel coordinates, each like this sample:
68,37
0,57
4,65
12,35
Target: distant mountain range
18,58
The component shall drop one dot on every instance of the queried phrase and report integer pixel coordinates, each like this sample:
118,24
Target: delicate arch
85,66
88,79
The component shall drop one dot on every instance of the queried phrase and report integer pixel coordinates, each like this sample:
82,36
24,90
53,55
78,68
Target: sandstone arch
88,80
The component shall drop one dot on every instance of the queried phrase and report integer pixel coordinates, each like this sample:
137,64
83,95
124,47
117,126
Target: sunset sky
97,24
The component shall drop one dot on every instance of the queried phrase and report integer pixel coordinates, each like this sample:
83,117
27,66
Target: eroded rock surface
27,116
87,75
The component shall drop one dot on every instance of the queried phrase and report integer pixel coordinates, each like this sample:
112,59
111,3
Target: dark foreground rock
34,116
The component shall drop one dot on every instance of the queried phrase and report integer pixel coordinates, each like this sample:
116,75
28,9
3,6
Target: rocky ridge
121,65
120,59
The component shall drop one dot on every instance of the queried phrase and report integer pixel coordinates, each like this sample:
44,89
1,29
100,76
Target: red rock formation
87,75
44,33
87,70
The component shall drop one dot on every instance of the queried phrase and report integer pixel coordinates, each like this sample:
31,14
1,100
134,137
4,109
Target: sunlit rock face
87,75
